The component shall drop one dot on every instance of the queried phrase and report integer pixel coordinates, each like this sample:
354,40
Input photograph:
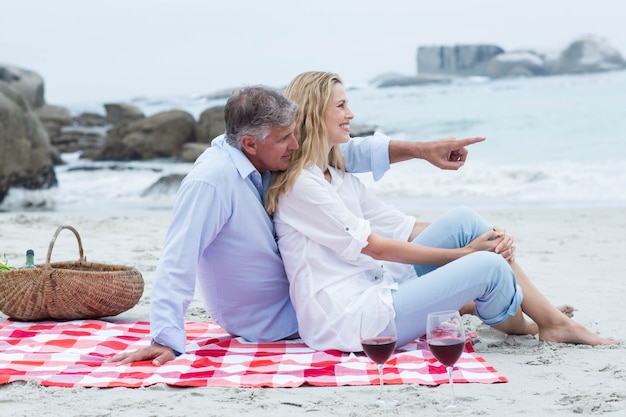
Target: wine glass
446,338
378,339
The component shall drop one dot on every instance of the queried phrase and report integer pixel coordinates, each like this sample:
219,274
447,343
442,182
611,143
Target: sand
574,255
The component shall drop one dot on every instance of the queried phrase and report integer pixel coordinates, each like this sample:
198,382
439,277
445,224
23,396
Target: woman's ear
248,144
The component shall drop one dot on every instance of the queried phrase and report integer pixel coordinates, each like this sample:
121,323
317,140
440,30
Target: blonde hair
311,91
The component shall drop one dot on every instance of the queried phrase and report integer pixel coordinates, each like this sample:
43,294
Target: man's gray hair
255,111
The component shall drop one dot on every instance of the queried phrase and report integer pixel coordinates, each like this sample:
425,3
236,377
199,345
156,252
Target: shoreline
574,255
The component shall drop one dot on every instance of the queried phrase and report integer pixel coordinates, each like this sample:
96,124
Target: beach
574,255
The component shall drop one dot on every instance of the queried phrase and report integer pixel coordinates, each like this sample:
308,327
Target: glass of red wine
378,340
446,339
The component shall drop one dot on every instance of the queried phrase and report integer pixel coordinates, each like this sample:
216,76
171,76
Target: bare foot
469,308
570,331
567,309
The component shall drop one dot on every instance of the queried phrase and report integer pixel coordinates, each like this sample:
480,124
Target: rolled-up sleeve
368,154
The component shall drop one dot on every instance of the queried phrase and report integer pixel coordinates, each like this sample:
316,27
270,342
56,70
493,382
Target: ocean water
551,142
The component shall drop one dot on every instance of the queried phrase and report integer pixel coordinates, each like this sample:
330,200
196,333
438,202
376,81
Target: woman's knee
491,264
472,223
502,296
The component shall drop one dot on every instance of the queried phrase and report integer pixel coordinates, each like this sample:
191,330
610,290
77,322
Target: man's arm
449,153
159,354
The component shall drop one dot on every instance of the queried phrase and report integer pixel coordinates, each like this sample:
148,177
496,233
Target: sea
557,141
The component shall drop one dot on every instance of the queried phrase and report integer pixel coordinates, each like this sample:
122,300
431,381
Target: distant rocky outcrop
392,79
26,160
584,55
459,60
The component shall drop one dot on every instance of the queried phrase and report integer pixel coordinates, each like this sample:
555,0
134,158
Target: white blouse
322,228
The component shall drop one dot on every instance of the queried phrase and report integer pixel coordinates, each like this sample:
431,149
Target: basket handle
54,238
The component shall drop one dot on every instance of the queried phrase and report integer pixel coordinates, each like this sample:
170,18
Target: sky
116,50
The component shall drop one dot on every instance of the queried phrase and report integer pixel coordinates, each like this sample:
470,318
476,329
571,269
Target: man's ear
248,144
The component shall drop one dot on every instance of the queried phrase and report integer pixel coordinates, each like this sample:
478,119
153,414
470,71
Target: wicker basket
69,290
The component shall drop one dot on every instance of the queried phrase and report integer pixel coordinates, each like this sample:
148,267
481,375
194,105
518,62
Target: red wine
447,351
379,349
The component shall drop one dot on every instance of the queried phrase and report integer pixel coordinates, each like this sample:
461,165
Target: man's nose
294,142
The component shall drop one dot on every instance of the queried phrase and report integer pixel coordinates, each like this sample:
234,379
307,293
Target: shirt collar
240,160
336,176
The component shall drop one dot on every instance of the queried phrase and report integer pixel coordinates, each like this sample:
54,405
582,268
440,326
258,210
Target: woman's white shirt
321,229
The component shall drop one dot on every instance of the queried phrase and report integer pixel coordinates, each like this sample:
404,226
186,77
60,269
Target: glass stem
380,377
450,368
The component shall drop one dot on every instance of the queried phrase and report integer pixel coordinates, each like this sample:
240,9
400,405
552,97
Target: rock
220,94
53,119
192,150
166,185
26,159
360,130
210,124
90,120
117,113
512,64
401,80
88,140
459,60
28,83
158,136
589,54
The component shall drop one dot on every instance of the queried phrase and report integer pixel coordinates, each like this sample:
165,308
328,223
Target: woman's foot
569,331
470,308
567,309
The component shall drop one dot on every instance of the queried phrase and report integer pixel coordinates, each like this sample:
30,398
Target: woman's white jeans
483,277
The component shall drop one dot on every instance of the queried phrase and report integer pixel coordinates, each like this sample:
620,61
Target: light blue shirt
221,240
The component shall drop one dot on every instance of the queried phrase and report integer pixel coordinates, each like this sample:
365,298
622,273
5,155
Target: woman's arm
385,249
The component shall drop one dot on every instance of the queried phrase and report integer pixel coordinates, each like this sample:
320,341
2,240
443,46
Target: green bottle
30,259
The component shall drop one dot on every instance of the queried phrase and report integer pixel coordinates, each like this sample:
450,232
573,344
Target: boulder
158,136
90,120
28,83
589,54
53,119
192,150
460,60
26,159
88,140
210,124
117,113
167,185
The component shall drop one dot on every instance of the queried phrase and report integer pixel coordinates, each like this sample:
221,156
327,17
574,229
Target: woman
345,251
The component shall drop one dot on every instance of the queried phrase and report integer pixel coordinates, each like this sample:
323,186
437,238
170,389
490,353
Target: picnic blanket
72,354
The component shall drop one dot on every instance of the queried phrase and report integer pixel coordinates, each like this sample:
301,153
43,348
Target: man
221,237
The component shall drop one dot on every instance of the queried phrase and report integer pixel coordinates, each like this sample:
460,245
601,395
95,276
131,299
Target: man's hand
159,354
448,153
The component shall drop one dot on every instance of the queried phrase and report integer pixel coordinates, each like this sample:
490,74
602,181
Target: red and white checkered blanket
71,354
